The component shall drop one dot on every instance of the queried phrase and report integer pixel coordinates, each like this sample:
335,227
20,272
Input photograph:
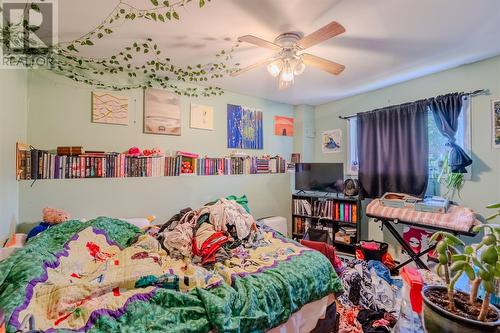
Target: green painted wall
13,110
59,113
484,187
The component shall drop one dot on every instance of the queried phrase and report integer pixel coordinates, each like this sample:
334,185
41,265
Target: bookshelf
338,214
75,163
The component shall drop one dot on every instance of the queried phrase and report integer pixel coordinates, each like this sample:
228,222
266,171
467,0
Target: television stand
340,215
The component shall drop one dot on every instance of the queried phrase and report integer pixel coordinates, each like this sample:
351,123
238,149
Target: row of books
39,164
333,210
302,207
239,165
300,225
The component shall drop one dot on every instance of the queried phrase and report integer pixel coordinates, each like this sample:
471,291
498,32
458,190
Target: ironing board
458,221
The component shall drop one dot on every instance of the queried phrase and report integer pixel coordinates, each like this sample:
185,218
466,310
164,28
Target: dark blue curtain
446,110
393,149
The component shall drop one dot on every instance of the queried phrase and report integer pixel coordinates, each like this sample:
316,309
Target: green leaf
166,3
161,18
35,7
489,286
470,272
175,15
491,217
458,257
202,3
497,205
453,240
89,42
168,15
154,2
458,266
153,15
100,35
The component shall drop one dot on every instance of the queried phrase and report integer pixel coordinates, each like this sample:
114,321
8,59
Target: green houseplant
449,310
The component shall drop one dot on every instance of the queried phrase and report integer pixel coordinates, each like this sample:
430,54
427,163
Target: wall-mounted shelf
35,164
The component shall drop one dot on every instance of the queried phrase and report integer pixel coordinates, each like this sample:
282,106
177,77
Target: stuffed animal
186,167
134,151
54,216
152,152
50,217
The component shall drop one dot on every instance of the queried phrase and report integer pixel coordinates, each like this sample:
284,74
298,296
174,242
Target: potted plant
449,310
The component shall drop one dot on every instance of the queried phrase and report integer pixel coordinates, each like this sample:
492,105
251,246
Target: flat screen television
321,177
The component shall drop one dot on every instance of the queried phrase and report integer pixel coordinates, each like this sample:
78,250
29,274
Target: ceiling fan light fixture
282,85
299,67
275,67
286,73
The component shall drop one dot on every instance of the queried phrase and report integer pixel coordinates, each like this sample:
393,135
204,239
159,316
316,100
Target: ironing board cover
457,218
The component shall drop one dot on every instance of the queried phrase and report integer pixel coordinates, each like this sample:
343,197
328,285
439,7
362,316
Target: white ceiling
386,41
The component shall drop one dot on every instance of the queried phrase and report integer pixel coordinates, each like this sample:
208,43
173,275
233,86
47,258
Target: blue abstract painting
244,128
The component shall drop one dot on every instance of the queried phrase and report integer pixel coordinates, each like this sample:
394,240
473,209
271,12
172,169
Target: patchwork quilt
106,276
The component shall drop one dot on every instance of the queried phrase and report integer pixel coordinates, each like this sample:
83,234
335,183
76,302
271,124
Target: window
437,143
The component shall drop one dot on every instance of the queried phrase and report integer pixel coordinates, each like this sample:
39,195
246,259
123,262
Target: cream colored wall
484,187
59,114
13,110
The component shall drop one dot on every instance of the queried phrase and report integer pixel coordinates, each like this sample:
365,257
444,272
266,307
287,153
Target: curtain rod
470,94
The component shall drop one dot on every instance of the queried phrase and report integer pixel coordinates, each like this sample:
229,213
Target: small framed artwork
283,126
109,108
495,111
202,117
331,141
162,112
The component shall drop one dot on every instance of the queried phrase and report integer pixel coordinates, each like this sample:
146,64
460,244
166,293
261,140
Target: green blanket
253,303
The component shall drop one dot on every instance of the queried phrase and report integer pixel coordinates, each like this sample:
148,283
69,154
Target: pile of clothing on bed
207,269
212,233
371,299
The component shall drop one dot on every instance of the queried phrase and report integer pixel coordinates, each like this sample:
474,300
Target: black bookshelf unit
338,214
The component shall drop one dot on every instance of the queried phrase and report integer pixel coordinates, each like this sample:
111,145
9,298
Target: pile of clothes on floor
371,299
212,233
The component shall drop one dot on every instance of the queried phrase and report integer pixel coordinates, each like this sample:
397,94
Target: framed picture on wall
162,112
244,127
495,111
283,126
331,141
202,117
109,108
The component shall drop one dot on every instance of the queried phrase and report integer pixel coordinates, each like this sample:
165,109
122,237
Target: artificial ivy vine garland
156,71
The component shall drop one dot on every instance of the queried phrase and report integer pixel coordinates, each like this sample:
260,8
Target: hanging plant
453,181
121,71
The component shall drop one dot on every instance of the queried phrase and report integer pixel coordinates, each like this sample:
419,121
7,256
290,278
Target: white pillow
139,222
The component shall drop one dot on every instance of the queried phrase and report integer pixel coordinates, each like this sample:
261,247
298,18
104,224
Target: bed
105,275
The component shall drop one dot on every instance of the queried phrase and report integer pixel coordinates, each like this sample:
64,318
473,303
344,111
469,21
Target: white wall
484,188
13,110
59,113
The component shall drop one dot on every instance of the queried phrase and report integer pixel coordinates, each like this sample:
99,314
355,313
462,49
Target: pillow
140,222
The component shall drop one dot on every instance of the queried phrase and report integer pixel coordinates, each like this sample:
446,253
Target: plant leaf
497,205
154,2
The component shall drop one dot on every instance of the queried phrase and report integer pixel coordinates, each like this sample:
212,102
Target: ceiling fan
289,61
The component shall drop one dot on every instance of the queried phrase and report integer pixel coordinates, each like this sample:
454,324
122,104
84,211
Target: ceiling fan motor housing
288,40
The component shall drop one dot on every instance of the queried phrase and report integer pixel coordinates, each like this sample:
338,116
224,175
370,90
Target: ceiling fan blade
259,42
321,63
248,68
330,30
